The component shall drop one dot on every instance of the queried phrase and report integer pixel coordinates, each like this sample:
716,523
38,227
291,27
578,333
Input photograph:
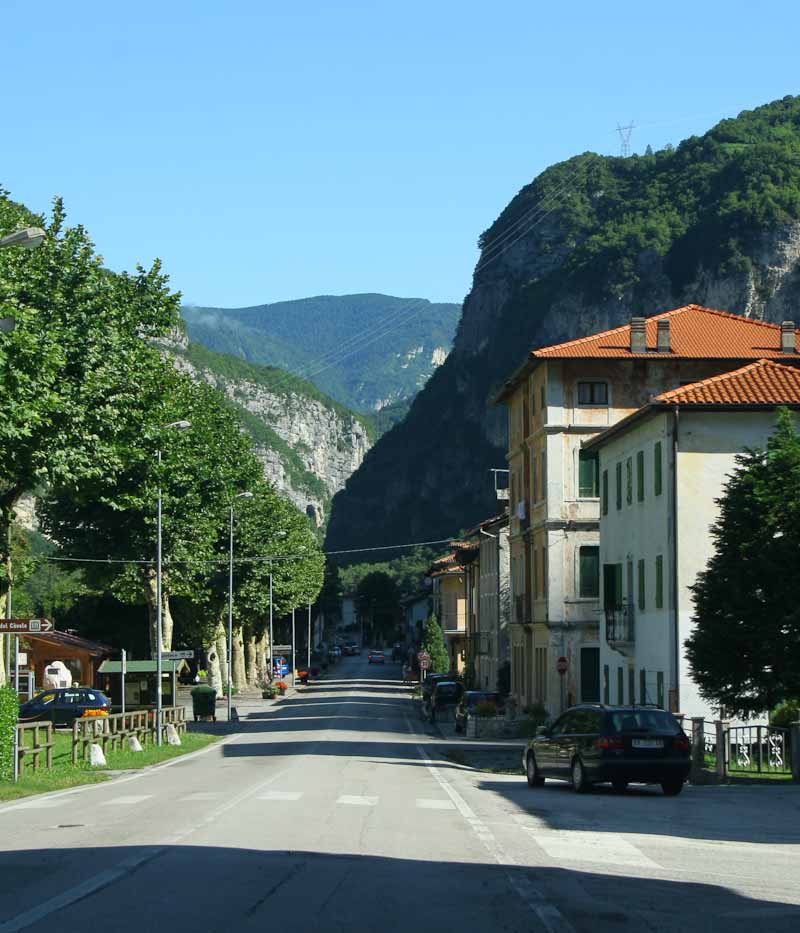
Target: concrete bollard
96,757
794,750
172,735
134,745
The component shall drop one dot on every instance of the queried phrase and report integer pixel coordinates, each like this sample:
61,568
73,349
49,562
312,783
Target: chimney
638,335
663,339
788,337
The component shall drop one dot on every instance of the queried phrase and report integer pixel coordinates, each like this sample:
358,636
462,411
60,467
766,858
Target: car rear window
643,720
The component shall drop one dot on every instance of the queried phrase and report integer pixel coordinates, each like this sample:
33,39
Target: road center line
550,916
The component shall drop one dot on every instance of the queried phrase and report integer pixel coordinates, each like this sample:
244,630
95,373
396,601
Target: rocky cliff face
317,446
542,279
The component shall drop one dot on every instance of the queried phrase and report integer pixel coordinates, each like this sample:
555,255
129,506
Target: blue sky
268,151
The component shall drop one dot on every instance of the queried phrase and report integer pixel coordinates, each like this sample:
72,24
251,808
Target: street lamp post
177,426
242,495
280,534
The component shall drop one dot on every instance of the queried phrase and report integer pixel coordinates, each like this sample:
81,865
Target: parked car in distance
445,695
351,648
63,706
376,657
431,680
472,698
594,744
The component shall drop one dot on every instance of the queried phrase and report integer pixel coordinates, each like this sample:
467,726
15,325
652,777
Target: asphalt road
336,810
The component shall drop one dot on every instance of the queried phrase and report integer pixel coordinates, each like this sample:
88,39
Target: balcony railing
620,628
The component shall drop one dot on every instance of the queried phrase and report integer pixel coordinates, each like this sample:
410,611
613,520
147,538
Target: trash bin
204,702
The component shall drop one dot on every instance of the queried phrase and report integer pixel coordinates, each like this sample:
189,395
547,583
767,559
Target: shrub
9,712
536,713
485,710
785,714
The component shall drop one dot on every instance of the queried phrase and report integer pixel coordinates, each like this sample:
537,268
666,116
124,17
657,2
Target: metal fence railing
757,750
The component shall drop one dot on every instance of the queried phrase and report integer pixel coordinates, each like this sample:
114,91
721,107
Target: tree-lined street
335,808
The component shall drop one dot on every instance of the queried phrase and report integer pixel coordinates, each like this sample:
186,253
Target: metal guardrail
35,750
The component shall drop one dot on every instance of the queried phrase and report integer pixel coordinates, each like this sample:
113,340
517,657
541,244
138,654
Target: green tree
378,604
433,642
745,649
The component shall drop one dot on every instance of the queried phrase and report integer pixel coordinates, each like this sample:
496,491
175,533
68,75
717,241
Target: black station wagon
64,705
610,744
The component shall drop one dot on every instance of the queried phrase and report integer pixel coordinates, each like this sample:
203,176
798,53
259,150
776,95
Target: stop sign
562,664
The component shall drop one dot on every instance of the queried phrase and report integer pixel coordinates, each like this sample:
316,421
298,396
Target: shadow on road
181,888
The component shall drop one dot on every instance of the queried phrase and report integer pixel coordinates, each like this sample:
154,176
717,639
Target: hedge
9,711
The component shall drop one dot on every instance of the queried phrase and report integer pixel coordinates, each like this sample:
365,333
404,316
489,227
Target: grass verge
64,774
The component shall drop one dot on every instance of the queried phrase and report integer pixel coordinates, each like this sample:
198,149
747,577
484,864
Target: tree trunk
214,667
262,657
251,660
2,660
150,587
222,652
239,671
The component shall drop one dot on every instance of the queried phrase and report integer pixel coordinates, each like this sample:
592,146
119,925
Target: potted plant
282,687
268,690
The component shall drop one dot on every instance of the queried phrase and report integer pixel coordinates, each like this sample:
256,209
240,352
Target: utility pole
625,138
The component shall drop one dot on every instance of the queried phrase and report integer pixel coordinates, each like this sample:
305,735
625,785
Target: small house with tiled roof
449,596
560,397
662,470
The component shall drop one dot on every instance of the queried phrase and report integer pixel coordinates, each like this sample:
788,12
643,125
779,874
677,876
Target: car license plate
647,743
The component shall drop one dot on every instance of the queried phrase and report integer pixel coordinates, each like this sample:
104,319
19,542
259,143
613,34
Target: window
605,492
590,675
589,572
660,688
631,687
542,398
588,467
620,688
643,686
534,480
606,686
612,586
543,478
541,674
657,468
535,573
641,585
544,571
629,480
659,582
592,393
640,476
619,486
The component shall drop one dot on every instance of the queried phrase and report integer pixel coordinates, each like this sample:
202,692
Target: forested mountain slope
586,245
366,351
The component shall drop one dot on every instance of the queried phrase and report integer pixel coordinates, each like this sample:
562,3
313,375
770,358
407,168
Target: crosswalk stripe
127,801
581,846
425,804
36,805
280,795
201,795
356,801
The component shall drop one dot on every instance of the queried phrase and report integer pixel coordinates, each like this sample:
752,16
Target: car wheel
619,786
532,772
579,782
671,788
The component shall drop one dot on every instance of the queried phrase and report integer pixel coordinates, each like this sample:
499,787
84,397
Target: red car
376,657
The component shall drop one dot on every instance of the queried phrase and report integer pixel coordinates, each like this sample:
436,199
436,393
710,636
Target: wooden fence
117,728
34,751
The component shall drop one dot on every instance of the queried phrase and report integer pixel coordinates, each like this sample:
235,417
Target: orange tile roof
444,565
695,332
761,383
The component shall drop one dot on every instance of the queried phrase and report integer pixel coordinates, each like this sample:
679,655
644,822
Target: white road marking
201,795
580,846
36,805
126,801
280,795
550,916
424,804
356,801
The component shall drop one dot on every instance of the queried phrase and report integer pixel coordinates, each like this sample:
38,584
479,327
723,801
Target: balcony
620,629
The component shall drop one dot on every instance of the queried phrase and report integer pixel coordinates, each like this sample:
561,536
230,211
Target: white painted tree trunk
222,652
239,671
167,625
214,666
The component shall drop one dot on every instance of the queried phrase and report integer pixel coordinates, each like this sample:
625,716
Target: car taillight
610,742
681,743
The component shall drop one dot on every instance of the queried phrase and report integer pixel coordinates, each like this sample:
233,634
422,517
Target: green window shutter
643,686
640,476
631,686
620,687
606,686
657,468
641,585
589,572
587,474
660,688
619,486
629,480
659,582
605,492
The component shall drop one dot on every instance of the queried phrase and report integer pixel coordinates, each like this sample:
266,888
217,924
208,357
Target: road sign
26,626
425,664
562,664
423,656
177,655
280,648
